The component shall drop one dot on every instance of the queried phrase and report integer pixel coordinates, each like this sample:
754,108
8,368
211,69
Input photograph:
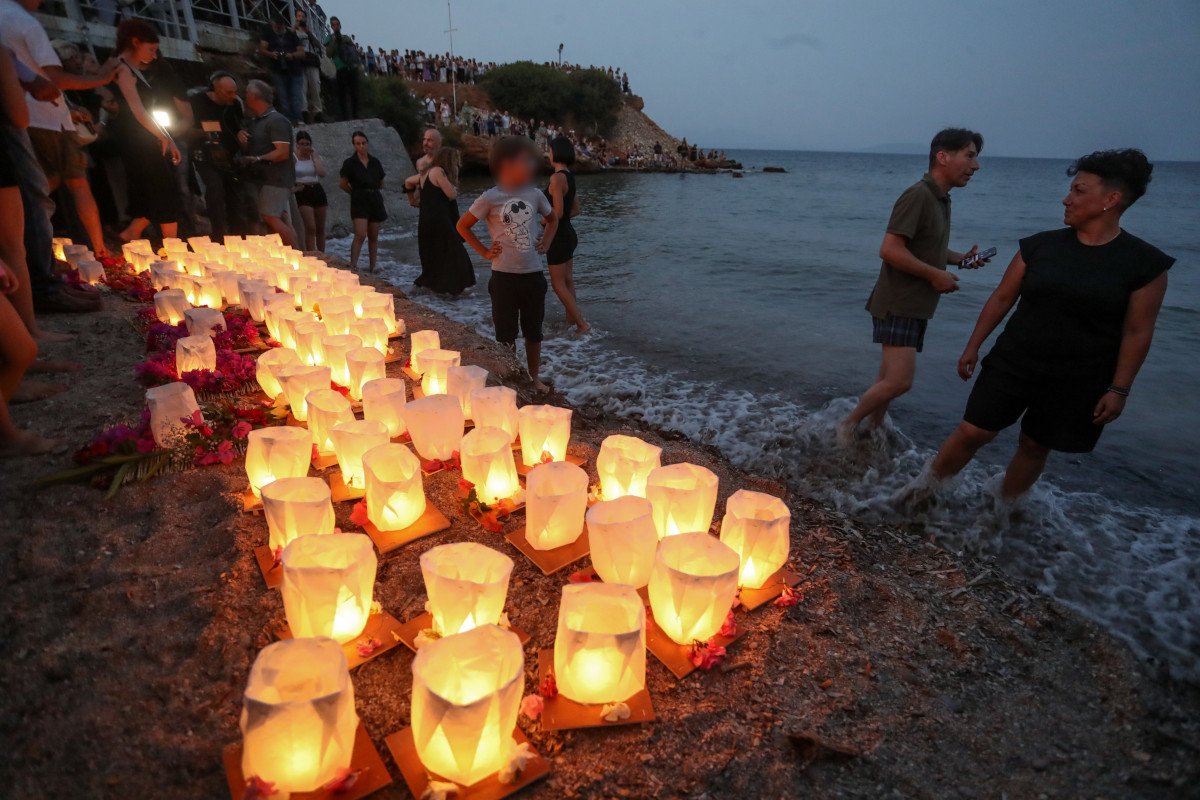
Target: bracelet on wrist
1121,390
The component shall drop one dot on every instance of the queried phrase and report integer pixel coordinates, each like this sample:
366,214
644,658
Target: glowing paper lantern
59,243
298,721
467,585
495,407
288,321
465,699
383,307
544,430
487,462
363,364
756,526
204,321
281,451
350,441
328,585
165,274
335,304
326,408
461,381
623,540
195,353
208,292
600,646
297,381
227,279
373,332
169,305
419,342
692,586
395,489
436,426
296,507
556,499
624,464
269,364
336,347
338,322
93,272
435,369
168,404
684,498
383,400
309,338
273,306
252,293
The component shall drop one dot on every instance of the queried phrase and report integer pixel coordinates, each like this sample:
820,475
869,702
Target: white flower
439,790
518,757
615,712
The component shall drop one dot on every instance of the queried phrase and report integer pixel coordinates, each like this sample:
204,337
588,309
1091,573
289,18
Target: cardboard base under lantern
523,470
295,423
404,751
250,501
754,598
551,561
560,713
392,355
323,461
431,522
379,626
413,375
340,491
677,657
272,570
643,592
372,774
408,631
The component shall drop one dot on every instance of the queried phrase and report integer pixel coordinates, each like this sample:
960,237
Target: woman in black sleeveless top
445,266
561,254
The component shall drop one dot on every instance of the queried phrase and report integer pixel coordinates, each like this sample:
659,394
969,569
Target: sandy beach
130,626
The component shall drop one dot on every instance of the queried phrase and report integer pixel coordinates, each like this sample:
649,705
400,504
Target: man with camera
217,118
282,48
346,61
267,158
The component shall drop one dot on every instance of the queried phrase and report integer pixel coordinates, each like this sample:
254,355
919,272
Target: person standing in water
362,178
561,255
913,276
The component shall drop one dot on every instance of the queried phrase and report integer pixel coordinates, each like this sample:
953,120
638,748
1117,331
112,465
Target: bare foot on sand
33,391
28,443
540,388
51,365
51,337
582,329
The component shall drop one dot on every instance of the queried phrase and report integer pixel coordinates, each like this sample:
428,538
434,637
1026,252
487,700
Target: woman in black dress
561,255
147,150
445,266
1089,299
362,177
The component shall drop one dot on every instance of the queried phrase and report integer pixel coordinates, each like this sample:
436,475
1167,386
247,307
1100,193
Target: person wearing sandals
561,255
310,195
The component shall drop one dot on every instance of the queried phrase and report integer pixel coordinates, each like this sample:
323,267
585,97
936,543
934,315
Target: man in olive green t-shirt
913,276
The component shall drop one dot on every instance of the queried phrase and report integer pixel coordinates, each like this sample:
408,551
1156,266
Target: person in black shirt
1089,299
362,177
285,53
216,118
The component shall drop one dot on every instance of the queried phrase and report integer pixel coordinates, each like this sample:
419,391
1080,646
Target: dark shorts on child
518,304
1057,411
900,331
312,195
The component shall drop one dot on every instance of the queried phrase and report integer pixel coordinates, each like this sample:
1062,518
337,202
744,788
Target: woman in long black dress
362,178
147,150
445,265
561,255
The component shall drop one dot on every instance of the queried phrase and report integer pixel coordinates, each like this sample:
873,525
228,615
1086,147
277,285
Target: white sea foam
1133,570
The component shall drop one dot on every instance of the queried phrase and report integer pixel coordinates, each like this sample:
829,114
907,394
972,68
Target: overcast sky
1037,77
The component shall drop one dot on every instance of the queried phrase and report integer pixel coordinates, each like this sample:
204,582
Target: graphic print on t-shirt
517,215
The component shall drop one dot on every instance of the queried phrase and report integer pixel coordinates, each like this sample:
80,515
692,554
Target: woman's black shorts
312,195
368,205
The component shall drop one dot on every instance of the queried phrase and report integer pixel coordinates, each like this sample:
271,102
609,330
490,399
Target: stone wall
332,143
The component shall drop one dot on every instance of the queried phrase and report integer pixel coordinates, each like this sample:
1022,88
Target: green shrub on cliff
389,99
528,90
594,100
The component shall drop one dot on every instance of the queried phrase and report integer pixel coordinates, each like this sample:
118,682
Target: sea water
731,309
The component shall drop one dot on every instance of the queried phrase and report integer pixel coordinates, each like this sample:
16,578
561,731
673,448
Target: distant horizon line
879,152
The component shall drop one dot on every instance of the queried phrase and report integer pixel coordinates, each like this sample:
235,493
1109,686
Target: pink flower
367,647
790,597
581,577
549,687
729,628
242,430
146,445
225,452
358,514
257,788
706,655
532,706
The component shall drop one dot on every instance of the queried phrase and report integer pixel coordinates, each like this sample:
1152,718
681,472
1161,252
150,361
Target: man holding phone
913,276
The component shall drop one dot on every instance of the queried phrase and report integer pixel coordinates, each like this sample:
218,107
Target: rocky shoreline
130,625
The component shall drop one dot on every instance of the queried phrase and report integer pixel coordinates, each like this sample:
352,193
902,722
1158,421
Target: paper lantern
298,720
227,280
296,507
684,498
465,699
435,369
166,274
395,489
495,407
169,305
545,431
204,321
338,322
383,400
336,347
93,272
467,585
556,499
350,441
208,292
169,404
757,527
487,462
281,451
363,364
335,303
273,306
600,646
624,464
310,336
419,342
373,332
436,426
381,306
623,540
75,253
297,381
328,585
252,292
326,408
288,321
59,243
461,381
692,586
195,353
268,365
